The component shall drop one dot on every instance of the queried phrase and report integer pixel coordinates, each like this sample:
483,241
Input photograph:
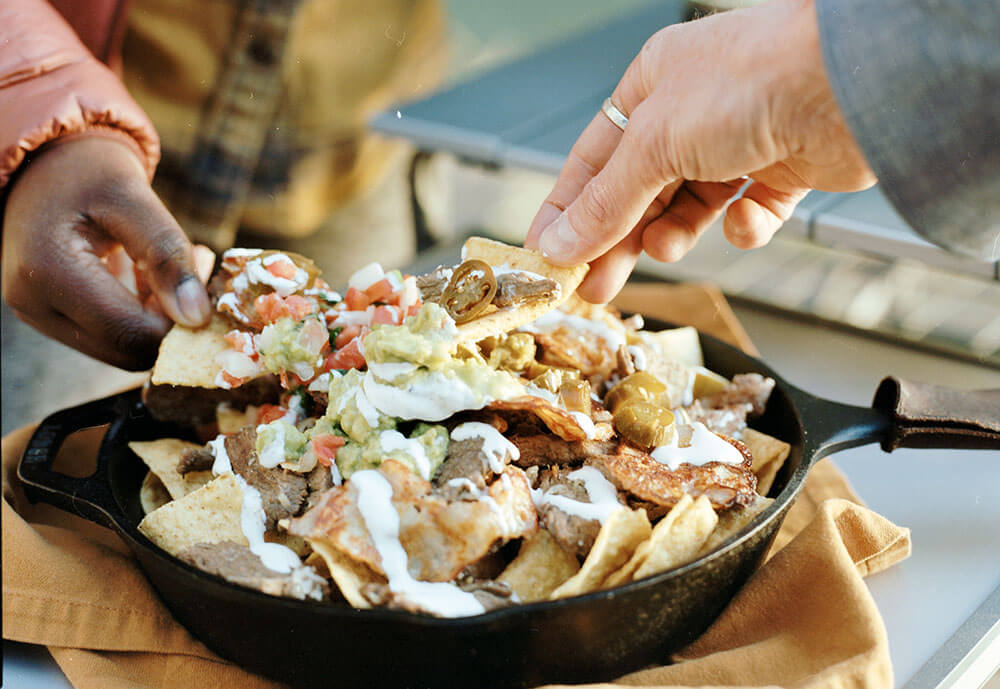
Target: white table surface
949,499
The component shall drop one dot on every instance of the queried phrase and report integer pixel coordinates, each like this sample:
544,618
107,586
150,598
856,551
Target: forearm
52,87
919,85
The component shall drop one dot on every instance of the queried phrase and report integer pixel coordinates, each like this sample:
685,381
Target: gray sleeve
919,84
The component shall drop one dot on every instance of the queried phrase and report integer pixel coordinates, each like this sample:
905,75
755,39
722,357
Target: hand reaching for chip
709,101
76,218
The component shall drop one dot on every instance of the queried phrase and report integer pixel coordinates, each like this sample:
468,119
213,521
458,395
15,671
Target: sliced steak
729,420
236,564
745,388
431,286
574,533
466,460
196,406
546,450
282,492
517,288
318,481
200,459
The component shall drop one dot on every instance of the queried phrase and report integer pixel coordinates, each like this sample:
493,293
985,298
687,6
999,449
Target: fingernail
559,239
192,301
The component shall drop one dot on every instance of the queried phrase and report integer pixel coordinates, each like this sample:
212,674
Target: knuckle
598,205
134,345
166,253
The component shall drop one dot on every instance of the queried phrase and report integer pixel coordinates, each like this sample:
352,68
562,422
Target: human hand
74,217
709,101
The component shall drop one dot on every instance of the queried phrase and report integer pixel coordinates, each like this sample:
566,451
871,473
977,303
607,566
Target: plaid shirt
260,104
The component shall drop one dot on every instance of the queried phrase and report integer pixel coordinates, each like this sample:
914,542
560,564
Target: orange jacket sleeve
51,87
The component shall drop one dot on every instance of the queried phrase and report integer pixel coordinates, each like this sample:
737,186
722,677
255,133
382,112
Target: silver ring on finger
616,116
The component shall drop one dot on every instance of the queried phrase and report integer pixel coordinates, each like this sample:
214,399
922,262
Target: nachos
446,444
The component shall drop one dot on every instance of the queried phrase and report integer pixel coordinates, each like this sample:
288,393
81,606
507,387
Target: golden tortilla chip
620,534
556,419
677,344
511,317
232,420
627,572
680,540
349,575
540,567
732,521
769,455
187,357
152,493
210,514
161,456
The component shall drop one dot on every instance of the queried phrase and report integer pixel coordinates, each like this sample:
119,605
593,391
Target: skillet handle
90,497
931,416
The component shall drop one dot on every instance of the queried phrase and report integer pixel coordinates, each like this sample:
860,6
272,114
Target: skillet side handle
89,497
932,416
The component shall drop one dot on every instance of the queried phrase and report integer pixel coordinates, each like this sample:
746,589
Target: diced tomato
380,291
320,283
232,380
413,310
314,337
386,314
325,447
356,300
269,413
346,335
299,307
348,356
282,267
271,307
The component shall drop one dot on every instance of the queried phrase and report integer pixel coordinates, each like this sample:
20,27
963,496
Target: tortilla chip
210,514
511,317
556,419
621,533
349,575
152,494
769,455
161,456
540,568
732,521
627,572
232,420
677,344
187,357
680,540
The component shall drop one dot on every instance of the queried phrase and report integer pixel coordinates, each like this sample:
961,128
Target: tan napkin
805,619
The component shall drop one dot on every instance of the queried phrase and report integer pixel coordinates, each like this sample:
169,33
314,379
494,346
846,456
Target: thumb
610,204
161,251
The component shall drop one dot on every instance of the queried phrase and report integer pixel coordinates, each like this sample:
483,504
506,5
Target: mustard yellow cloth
804,620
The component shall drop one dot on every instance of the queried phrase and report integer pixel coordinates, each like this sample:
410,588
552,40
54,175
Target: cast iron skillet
587,638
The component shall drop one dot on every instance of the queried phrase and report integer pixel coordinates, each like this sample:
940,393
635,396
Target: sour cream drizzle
556,318
392,441
258,274
495,446
638,357
274,556
382,522
585,423
704,447
602,494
